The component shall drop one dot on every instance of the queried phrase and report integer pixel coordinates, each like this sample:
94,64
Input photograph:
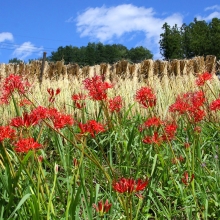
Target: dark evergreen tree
214,28
15,60
138,54
200,42
170,42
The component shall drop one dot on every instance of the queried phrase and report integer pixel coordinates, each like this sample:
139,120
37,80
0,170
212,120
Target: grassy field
95,149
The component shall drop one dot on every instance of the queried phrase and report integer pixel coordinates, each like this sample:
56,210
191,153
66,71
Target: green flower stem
50,203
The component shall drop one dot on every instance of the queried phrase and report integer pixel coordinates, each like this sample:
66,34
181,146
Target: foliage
96,53
199,38
113,164
15,60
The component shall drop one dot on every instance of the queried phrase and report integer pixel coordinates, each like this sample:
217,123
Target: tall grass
74,171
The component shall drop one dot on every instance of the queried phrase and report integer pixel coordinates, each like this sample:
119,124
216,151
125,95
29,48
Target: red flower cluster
6,132
146,97
169,131
11,84
92,127
25,102
78,100
202,78
215,105
190,103
155,139
102,208
186,179
97,88
129,185
59,120
53,94
25,121
25,145
115,104
62,120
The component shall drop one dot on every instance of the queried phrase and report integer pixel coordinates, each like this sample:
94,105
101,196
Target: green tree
214,28
15,60
200,41
139,54
170,42
186,39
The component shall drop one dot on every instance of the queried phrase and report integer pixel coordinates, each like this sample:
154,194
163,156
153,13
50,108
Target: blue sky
30,27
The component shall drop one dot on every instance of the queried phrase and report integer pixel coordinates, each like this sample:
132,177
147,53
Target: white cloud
26,49
214,7
6,36
104,24
215,14
69,20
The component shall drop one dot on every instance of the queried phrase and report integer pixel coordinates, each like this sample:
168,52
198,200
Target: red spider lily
97,88
25,102
190,103
25,121
215,105
146,97
186,179
154,121
170,131
155,139
62,120
115,104
202,78
78,100
92,127
129,185
11,84
41,112
25,145
6,132
52,94
102,208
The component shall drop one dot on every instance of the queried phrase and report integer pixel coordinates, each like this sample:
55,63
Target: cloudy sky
28,28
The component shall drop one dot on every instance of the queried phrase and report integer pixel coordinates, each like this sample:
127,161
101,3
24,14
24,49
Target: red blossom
25,102
25,145
155,139
11,84
129,185
190,103
102,208
115,104
53,93
202,78
41,112
92,127
146,97
25,121
6,132
78,100
170,130
62,120
97,88
215,105
186,179
154,121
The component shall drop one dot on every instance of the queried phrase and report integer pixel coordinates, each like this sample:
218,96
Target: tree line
199,38
96,53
